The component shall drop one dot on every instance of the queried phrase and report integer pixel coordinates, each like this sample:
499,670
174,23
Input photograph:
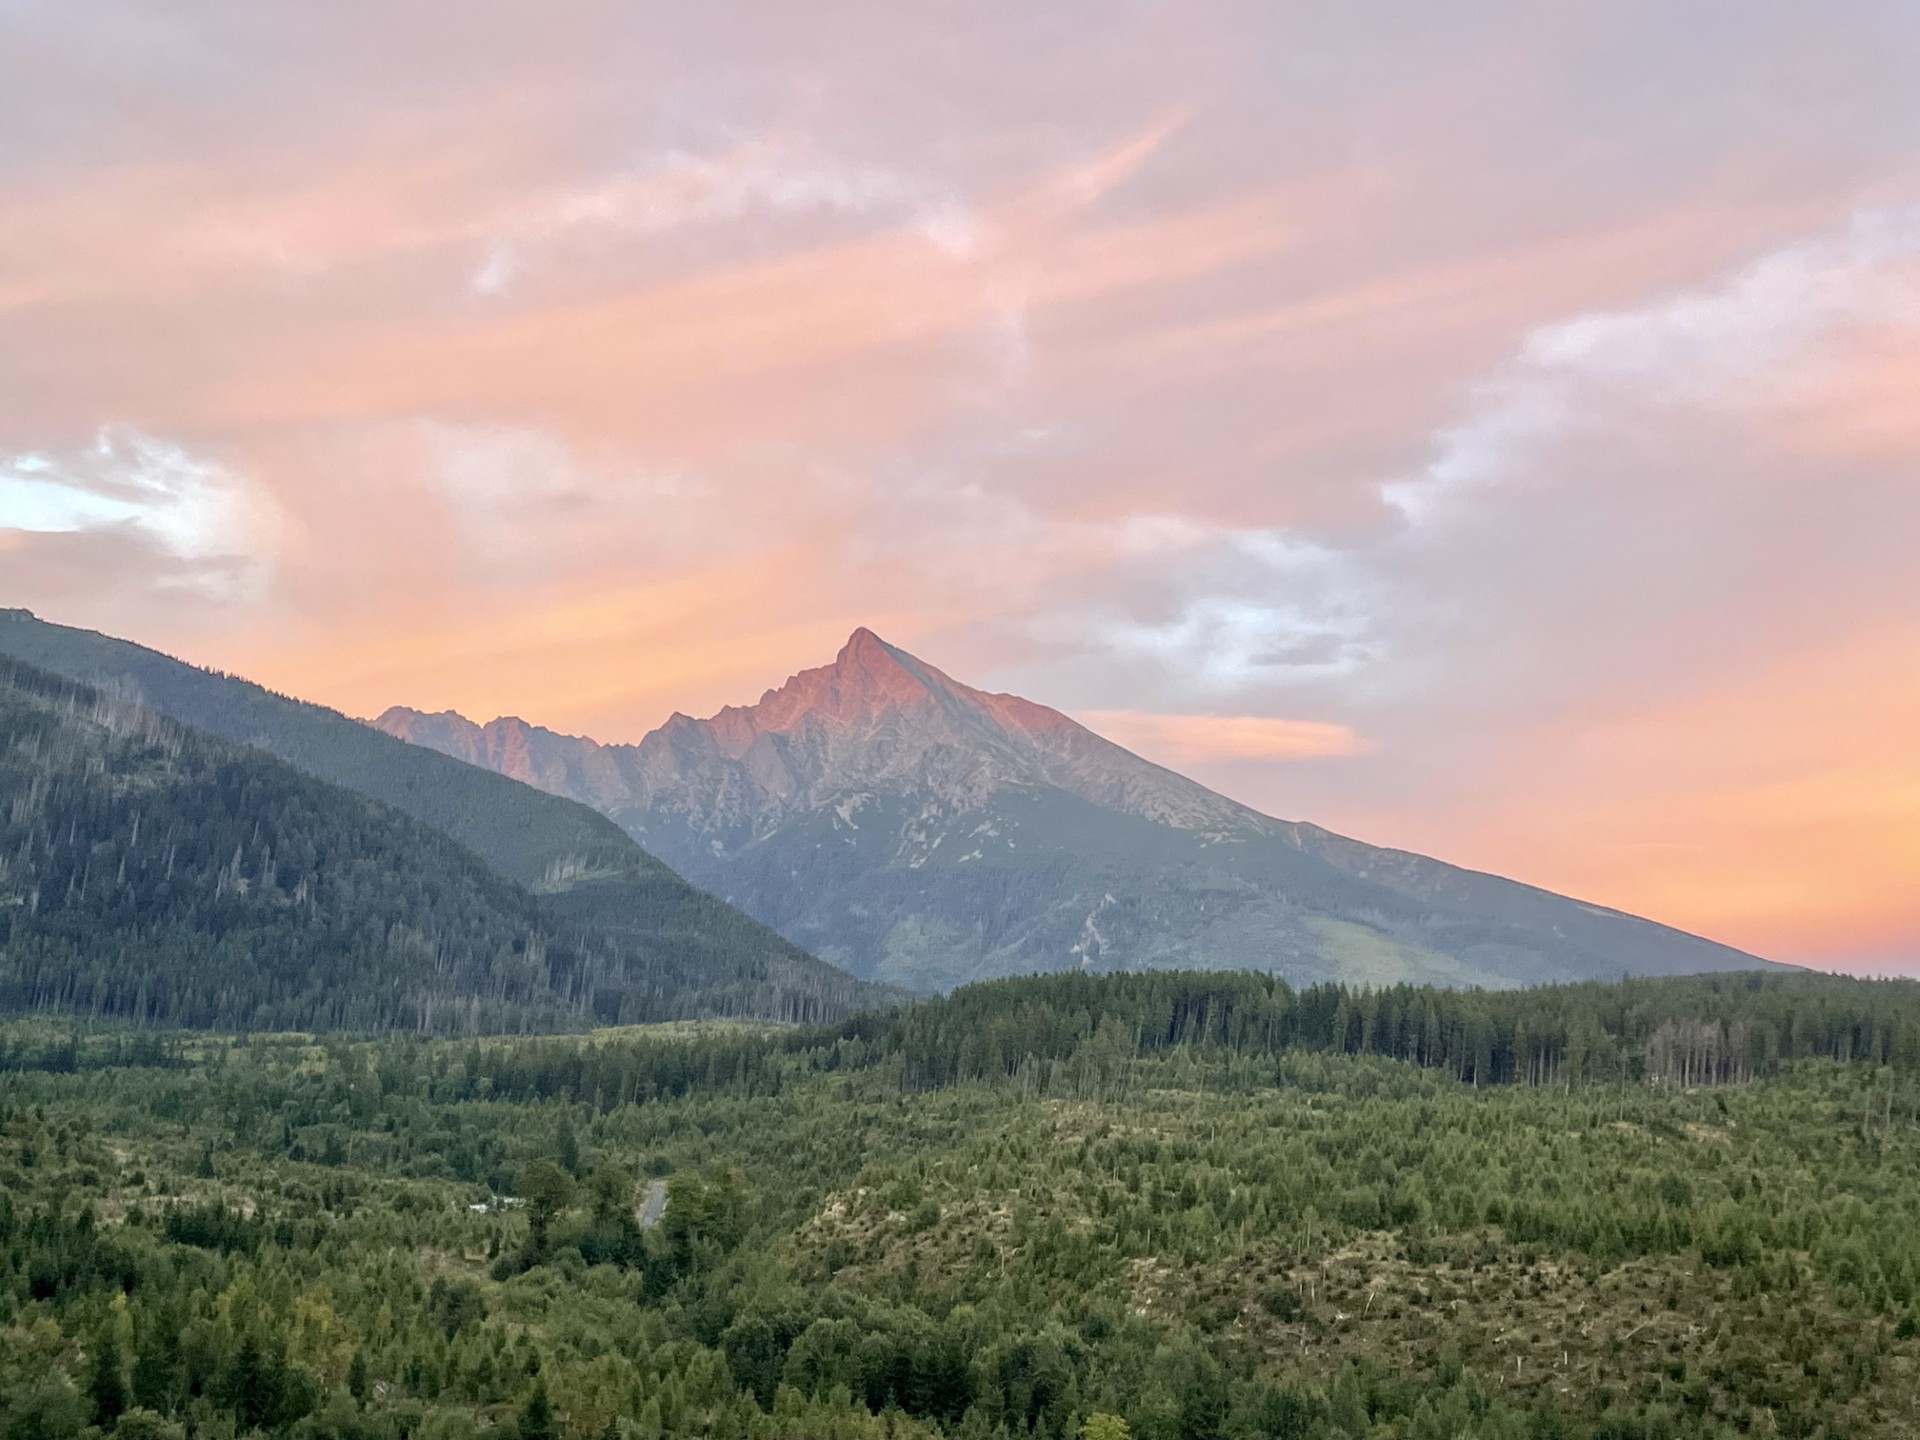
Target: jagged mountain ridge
876,718
917,830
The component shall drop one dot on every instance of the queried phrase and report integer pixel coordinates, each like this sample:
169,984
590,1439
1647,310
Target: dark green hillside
1687,1030
536,839
151,872
705,957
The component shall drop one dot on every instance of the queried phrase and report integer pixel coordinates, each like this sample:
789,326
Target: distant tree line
1080,1036
1693,1030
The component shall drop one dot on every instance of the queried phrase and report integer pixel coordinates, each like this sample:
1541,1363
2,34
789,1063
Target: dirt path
654,1205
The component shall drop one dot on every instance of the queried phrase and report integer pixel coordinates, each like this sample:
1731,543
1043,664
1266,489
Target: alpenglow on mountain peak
877,719
881,717
915,829
867,678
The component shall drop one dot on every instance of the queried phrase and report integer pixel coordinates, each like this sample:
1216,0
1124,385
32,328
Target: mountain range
917,831
526,909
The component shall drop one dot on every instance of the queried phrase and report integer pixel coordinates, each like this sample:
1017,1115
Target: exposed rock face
915,829
876,720
568,765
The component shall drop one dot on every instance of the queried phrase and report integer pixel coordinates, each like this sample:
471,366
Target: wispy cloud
1086,183
680,188
1728,343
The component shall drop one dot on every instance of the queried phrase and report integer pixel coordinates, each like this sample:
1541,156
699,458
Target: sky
1490,429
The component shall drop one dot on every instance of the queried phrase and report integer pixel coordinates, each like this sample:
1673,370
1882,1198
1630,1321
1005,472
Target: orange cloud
1176,740
626,362
1114,167
1779,811
1865,406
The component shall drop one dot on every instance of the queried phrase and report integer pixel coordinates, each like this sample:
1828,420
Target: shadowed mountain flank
684,951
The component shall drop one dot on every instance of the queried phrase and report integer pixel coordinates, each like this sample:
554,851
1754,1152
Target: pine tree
536,1418
248,1385
107,1384
153,1378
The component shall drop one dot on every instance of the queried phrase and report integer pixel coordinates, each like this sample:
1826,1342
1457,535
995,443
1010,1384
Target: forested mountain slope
703,955
149,872
913,828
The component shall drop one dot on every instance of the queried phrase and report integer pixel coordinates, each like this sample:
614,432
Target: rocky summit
914,829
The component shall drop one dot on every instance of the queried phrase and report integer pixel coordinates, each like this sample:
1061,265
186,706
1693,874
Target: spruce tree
107,1384
536,1418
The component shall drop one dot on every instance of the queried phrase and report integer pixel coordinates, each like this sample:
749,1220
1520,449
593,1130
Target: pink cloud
1085,352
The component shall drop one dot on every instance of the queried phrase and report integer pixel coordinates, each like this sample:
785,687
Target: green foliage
107,1383
536,1417
1168,1213
157,875
546,1188
1078,1034
146,1425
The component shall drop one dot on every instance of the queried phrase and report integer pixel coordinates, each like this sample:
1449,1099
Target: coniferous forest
505,908
1175,1207
161,874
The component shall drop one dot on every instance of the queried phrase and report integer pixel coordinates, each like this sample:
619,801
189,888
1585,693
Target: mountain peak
868,679
863,644
875,720
867,660
880,720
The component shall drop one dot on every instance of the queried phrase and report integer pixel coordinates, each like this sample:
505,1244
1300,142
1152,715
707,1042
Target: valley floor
310,1237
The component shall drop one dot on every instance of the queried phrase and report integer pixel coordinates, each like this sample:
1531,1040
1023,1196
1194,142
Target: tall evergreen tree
107,1381
536,1416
